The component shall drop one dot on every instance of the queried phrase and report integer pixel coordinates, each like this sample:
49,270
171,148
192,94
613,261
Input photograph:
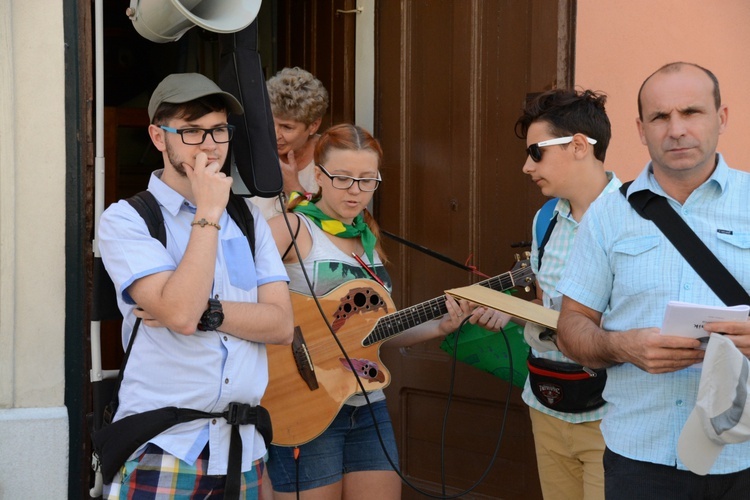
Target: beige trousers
569,458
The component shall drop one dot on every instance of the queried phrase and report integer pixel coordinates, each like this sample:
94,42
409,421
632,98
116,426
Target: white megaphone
167,20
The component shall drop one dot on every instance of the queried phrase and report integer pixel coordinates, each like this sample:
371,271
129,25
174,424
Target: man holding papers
623,271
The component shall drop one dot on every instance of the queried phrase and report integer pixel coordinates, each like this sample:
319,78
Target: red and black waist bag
566,387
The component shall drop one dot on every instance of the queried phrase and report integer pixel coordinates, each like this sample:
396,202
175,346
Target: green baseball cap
184,87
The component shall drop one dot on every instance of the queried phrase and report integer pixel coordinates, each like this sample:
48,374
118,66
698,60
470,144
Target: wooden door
318,36
451,81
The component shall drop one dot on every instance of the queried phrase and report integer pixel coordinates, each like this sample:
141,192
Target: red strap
474,269
563,376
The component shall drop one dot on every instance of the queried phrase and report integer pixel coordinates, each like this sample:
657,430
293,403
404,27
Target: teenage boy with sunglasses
567,132
207,303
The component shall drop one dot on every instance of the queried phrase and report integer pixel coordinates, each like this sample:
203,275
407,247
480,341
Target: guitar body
310,380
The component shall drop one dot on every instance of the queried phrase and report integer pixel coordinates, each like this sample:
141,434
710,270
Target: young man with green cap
207,303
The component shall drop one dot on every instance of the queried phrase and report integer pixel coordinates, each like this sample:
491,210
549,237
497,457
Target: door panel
315,36
451,79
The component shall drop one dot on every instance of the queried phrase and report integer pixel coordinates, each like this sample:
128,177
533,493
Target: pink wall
620,42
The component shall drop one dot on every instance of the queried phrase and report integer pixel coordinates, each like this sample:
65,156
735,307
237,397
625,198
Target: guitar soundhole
367,369
375,300
360,299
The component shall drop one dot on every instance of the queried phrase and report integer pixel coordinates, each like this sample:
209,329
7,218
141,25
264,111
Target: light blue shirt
556,253
624,267
204,371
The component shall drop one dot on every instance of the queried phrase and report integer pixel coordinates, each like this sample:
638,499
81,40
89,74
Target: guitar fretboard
398,322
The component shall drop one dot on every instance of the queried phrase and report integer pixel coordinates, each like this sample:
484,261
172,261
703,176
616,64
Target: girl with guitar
338,242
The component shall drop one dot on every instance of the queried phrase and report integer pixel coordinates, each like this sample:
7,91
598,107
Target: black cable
296,453
454,357
425,250
447,408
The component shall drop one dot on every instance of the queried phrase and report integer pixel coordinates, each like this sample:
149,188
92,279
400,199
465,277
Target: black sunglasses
535,152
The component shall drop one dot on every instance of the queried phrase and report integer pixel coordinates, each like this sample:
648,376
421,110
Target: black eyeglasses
346,181
535,153
195,136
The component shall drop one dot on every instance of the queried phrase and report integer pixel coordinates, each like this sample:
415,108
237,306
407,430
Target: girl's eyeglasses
346,181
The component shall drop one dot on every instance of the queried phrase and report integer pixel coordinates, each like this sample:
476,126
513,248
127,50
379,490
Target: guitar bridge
302,359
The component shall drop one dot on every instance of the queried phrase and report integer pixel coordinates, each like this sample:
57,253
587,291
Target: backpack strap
657,209
544,218
243,217
545,224
148,208
116,442
104,302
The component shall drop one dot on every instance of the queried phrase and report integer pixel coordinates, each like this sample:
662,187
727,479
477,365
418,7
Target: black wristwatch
212,317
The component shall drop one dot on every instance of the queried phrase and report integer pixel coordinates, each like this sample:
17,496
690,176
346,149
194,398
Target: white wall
33,420
364,77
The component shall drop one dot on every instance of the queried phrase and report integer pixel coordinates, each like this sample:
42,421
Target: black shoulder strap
148,208
294,238
104,303
243,217
656,208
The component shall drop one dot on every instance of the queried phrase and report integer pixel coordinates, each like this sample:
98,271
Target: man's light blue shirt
204,371
624,267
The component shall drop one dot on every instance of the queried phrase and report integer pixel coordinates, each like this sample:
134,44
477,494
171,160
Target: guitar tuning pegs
527,254
517,257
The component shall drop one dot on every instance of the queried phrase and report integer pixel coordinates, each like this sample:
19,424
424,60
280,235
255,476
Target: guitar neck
394,324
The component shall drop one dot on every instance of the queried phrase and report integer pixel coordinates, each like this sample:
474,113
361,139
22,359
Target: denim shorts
350,444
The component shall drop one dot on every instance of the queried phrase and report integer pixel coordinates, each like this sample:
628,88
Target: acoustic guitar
310,380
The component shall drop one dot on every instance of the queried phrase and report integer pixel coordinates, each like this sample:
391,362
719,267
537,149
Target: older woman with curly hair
298,102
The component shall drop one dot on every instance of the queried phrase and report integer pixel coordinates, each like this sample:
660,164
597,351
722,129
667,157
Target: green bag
488,351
